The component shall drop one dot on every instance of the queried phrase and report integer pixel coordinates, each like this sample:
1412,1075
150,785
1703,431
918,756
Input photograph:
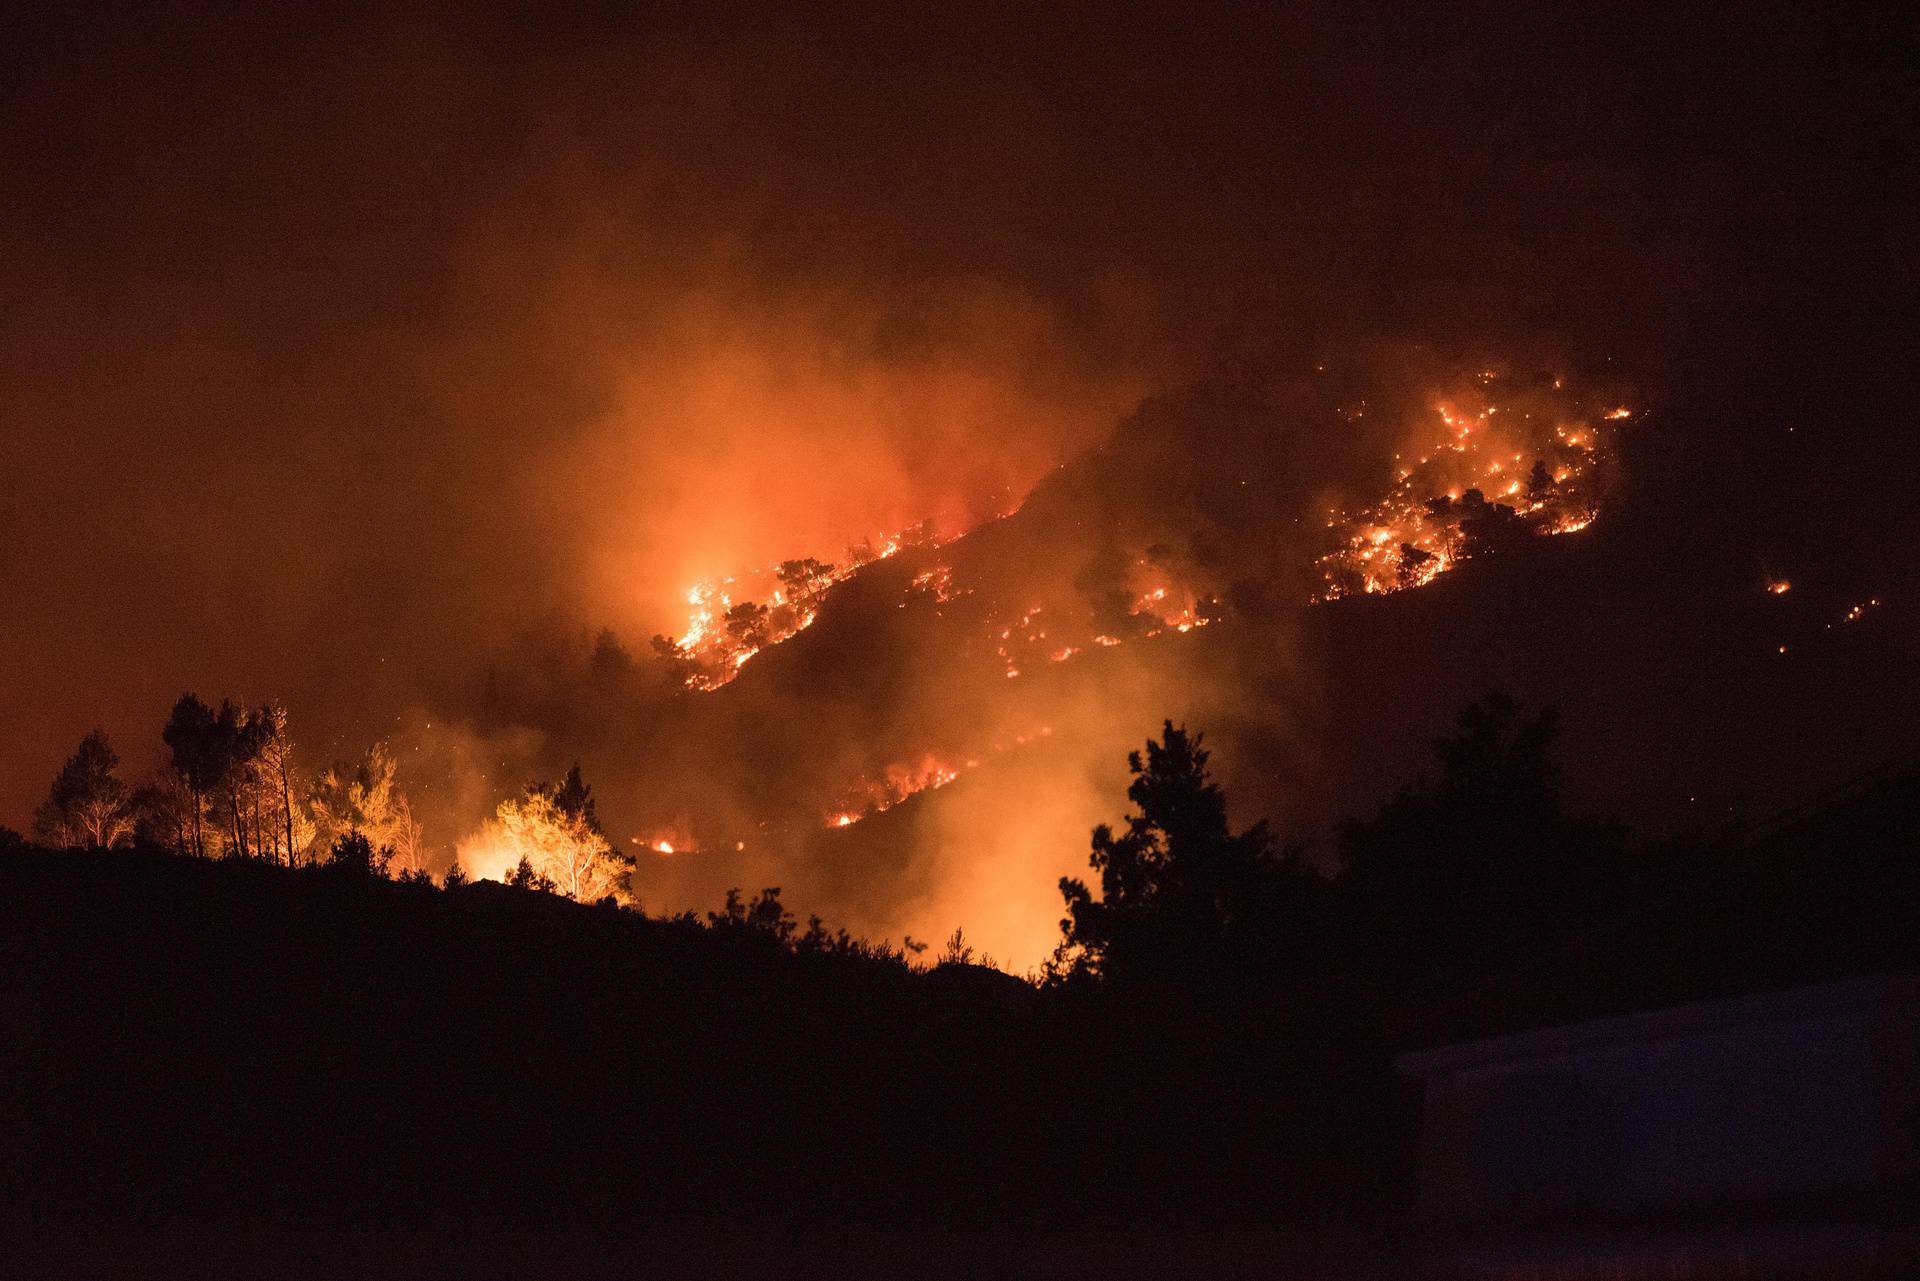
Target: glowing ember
1779,587
668,840
1493,474
1171,608
1499,463
897,782
937,583
1020,632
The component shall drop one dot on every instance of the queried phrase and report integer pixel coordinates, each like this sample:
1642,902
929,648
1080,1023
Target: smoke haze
376,360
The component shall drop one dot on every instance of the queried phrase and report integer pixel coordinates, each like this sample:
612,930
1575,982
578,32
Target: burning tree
88,806
1505,462
727,627
273,784
363,796
228,786
553,831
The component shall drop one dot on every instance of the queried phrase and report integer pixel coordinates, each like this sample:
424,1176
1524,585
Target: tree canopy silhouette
1470,870
88,806
355,855
1181,894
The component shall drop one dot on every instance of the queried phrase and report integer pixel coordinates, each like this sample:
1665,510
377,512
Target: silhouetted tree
524,876
1413,564
957,951
573,797
229,761
1487,528
456,876
817,939
747,623
235,745
610,663
162,813
88,806
1540,482
804,579
354,855
192,737
1469,870
679,665
1180,892
764,916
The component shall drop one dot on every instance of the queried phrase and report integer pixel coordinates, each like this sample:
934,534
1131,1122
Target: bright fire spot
675,838
727,623
897,782
1779,587
937,583
1438,512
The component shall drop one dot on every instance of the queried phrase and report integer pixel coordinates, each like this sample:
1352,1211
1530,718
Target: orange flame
1471,482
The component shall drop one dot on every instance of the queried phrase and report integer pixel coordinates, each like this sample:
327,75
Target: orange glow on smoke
897,782
1497,460
731,619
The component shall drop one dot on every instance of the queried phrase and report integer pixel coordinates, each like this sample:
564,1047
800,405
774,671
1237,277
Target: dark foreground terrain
222,1068
225,1068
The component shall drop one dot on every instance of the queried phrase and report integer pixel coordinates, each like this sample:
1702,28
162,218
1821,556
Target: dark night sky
340,344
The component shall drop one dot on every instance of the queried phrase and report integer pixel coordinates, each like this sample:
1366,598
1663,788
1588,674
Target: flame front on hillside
728,623
1500,464
897,782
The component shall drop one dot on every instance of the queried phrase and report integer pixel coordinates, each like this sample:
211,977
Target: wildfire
1152,609
1162,602
1490,475
895,784
1019,632
930,773
937,583
727,625
1500,462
